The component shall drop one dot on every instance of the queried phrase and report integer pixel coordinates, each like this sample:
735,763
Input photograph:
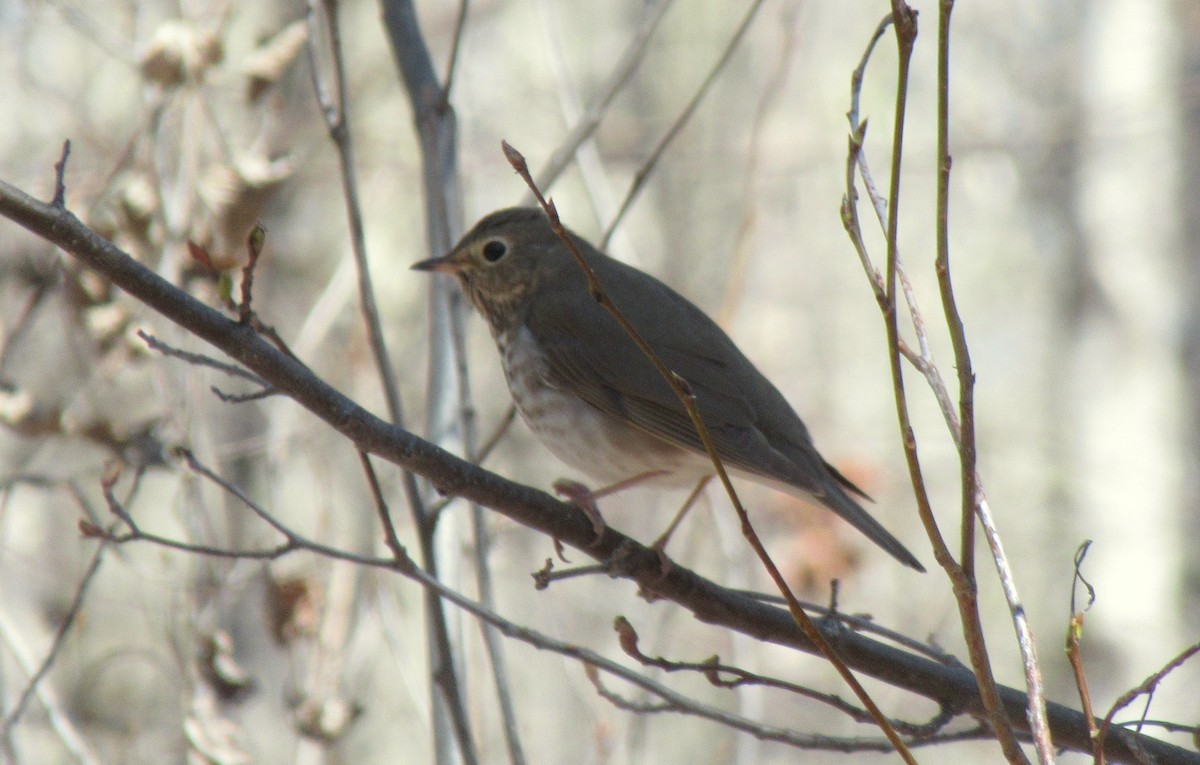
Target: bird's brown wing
590,355
752,426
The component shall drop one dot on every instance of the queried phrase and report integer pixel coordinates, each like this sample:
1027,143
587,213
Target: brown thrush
595,400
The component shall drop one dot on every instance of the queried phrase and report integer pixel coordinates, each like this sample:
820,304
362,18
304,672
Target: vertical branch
459,26
333,106
436,129
333,101
954,323
491,636
975,505
905,23
973,501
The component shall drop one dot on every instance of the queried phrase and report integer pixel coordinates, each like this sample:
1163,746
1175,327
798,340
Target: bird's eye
494,250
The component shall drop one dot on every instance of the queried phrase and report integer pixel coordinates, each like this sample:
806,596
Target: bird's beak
447,264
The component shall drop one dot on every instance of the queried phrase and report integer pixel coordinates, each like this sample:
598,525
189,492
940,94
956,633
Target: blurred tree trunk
1051,165
1189,269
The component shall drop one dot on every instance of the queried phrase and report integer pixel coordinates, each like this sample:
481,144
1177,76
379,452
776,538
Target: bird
598,403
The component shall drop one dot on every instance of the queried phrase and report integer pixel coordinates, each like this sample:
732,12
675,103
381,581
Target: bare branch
59,639
199,359
436,127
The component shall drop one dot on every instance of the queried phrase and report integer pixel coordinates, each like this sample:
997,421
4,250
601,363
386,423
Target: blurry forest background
1075,134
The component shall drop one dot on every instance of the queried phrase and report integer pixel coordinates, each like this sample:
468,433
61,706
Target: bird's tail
839,501
827,487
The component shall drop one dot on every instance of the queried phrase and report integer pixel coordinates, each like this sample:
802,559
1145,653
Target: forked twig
974,501
1147,687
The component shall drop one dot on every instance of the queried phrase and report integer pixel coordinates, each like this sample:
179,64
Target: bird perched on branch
598,402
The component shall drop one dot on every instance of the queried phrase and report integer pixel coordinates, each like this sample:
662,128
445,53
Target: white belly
601,446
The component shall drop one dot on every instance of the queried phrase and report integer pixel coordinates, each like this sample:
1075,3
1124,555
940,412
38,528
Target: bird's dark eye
494,250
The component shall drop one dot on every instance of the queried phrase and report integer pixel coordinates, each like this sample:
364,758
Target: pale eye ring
494,250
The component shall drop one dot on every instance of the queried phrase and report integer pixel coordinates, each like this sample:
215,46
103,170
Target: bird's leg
612,488
585,499
660,544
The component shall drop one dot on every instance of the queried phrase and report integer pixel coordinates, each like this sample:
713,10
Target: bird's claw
664,563
583,498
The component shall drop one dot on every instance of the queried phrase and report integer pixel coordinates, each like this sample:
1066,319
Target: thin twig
482,548
60,176
293,541
337,120
390,538
498,433
921,359
865,624
199,359
724,675
243,398
254,248
974,502
643,172
1074,642
673,702
593,114
905,25
1147,687
56,643
491,637
857,160
460,26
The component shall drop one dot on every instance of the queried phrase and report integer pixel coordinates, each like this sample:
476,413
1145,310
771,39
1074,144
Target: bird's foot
585,499
659,546
664,563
